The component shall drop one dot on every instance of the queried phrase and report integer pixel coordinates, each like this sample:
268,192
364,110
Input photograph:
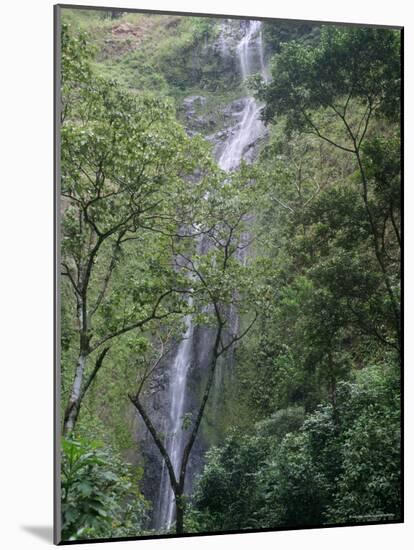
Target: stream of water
242,136
250,128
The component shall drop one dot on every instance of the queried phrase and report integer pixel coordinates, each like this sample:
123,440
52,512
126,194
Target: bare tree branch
157,440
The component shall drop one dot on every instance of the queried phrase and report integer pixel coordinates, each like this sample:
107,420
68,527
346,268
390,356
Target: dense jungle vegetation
306,427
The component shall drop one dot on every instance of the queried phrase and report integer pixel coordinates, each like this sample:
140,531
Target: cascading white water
250,128
241,138
175,441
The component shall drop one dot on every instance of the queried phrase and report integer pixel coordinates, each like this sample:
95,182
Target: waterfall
250,128
236,147
175,441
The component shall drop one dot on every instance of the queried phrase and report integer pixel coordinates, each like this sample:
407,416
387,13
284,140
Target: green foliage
182,58
100,493
76,53
125,167
306,429
186,58
276,33
337,466
368,485
224,498
329,223
136,72
281,422
349,64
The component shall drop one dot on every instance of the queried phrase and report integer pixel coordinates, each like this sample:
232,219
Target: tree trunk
76,396
378,254
179,511
72,409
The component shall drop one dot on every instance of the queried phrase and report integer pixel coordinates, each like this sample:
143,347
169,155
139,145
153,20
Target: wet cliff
229,118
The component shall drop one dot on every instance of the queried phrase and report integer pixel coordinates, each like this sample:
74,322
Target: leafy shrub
341,464
224,498
100,494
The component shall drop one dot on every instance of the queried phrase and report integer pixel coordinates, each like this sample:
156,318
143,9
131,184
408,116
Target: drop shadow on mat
43,532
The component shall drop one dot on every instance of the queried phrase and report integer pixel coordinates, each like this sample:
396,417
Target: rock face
233,114
235,132
195,119
192,100
157,401
229,118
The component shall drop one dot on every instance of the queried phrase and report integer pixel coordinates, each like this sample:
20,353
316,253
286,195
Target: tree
219,281
335,91
368,487
125,164
295,471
